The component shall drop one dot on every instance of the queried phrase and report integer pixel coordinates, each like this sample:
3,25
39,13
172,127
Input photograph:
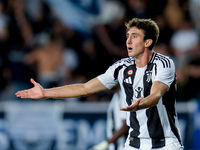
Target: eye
127,35
134,36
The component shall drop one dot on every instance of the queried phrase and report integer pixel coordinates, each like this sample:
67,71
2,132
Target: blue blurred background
59,42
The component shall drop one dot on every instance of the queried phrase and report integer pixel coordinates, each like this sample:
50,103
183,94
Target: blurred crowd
60,42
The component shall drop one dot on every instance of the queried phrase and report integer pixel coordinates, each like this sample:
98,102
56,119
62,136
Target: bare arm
157,91
74,90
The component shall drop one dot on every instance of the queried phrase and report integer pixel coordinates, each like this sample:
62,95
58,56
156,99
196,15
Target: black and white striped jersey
156,123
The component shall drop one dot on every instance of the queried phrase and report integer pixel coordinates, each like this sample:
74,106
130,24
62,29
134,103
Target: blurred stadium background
60,42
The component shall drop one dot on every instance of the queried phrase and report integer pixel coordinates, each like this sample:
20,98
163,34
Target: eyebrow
127,34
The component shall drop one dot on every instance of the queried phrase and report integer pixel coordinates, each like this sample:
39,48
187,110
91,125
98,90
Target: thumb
139,99
33,81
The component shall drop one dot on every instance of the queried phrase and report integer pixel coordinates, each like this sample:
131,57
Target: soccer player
147,79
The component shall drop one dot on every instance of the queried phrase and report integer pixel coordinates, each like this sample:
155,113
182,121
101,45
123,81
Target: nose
128,40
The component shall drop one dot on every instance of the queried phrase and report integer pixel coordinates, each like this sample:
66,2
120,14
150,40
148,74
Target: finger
135,103
124,109
18,93
24,94
139,99
33,81
121,108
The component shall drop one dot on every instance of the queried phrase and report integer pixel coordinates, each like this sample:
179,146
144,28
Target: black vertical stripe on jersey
127,86
169,102
117,72
155,69
129,95
153,120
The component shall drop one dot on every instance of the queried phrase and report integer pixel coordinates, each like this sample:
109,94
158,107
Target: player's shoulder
162,60
125,61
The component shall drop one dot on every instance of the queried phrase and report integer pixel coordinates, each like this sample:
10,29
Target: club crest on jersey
149,75
130,72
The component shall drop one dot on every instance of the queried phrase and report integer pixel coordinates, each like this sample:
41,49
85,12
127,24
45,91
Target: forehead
135,30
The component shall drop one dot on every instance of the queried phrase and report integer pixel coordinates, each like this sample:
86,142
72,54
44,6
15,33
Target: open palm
133,107
36,92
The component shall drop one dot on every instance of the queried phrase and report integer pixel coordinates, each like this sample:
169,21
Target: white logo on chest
128,80
138,92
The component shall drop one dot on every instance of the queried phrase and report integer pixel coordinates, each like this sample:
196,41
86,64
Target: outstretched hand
134,106
36,92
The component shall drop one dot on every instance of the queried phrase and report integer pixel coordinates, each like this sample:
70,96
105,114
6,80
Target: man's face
135,42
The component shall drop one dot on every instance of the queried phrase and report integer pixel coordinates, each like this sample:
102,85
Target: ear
148,42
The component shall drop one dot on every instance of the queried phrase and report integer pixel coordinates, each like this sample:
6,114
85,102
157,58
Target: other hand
37,92
134,106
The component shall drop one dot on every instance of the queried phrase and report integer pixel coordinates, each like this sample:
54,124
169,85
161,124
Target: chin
131,55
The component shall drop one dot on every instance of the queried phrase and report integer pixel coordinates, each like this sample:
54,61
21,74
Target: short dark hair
149,27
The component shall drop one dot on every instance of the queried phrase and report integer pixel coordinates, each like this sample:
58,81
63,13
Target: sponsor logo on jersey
128,80
138,92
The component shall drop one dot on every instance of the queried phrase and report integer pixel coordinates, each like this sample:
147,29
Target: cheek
140,44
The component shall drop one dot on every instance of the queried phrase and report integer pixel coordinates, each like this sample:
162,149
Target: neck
144,59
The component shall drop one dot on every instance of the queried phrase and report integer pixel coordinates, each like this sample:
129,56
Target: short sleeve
107,79
165,74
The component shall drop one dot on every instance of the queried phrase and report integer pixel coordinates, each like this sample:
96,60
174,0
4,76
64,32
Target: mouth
130,49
